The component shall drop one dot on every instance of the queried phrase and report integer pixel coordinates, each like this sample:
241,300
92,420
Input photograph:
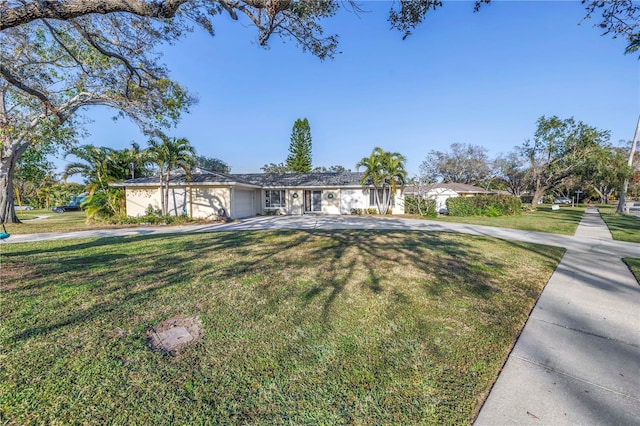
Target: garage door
242,204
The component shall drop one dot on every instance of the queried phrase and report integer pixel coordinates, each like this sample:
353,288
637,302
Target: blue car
71,207
74,206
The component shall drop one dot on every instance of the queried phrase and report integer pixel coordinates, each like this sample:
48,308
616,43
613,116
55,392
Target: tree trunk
7,171
625,185
161,193
539,193
166,195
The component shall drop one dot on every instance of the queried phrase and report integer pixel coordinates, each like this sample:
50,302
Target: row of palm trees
102,166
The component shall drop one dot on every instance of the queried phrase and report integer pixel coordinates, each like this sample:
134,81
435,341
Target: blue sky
481,78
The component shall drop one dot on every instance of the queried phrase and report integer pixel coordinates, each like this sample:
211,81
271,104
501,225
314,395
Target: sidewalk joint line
554,370
587,332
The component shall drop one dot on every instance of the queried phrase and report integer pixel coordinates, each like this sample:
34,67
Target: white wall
178,201
198,202
399,203
441,196
138,200
353,199
331,205
206,202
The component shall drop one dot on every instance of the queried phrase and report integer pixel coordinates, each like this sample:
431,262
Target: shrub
460,206
484,205
105,205
372,210
420,206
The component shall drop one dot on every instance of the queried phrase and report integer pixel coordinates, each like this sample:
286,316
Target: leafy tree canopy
560,148
275,168
212,164
58,57
330,169
463,163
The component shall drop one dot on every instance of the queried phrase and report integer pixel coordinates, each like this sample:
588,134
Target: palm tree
101,166
167,155
395,175
385,171
94,165
136,161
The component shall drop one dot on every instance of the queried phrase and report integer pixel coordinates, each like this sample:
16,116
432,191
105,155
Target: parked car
562,200
71,207
74,205
21,208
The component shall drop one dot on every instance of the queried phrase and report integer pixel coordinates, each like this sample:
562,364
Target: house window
372,197
275,199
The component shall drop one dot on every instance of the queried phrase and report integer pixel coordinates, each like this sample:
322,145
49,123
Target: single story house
441,192
207,195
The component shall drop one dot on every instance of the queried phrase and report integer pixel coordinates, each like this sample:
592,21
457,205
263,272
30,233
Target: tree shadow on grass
449,260
340,258
109,272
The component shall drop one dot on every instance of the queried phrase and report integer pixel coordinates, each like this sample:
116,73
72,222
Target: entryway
312,201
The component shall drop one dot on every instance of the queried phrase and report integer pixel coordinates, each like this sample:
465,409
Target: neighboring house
441,192
209,195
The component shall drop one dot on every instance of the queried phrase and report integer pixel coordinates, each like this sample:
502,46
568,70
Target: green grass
299,327
38,221
42,221
622,228
634,266
564,221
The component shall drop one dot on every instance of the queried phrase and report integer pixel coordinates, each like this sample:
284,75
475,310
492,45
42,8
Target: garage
243,205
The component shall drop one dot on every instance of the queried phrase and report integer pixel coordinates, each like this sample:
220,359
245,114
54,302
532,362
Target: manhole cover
172,335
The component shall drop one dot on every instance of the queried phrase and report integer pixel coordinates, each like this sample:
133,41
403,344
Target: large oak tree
560,148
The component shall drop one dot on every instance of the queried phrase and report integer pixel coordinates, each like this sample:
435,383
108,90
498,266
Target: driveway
309,222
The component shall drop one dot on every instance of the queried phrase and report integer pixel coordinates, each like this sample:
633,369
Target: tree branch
58,9
6,73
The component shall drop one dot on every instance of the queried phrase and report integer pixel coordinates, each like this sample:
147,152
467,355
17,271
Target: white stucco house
441,192
207,195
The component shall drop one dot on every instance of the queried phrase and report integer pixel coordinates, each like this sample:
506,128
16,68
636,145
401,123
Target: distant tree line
563,156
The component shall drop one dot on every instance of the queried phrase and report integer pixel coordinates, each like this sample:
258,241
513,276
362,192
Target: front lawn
42,221
38,221
622,228
314,327
543,219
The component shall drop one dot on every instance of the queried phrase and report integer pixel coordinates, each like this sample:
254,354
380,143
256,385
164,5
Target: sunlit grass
622,227
299,327
543,219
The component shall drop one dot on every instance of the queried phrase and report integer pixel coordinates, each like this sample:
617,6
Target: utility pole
625,185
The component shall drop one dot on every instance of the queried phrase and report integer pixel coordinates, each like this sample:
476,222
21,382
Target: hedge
484,205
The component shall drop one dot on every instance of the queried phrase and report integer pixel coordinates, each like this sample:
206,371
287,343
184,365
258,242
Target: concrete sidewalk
577,360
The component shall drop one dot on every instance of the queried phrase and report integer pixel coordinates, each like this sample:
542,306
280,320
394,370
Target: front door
312,201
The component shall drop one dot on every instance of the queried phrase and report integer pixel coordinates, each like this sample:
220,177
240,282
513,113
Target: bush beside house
484,205
420,206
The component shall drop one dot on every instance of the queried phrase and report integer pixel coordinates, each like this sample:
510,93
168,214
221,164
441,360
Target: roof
302,179
270,180
460,188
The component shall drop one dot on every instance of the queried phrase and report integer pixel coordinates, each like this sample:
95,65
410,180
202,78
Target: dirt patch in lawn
172,335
